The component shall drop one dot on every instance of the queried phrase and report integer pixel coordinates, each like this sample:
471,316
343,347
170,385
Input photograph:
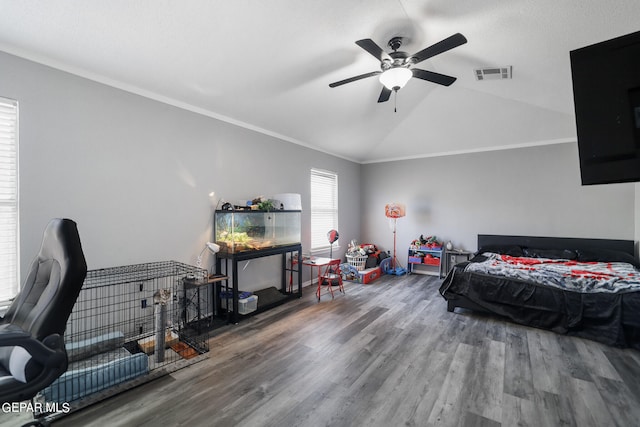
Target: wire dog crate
128,326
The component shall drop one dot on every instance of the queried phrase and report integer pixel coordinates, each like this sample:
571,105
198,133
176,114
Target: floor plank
518,379
383,354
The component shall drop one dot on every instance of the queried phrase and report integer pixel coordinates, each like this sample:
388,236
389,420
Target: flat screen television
606,92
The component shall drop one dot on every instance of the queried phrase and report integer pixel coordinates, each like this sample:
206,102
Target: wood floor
385,354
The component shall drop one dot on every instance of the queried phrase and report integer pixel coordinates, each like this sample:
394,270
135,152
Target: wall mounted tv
606,93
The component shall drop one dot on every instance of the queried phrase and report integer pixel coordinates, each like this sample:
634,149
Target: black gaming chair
32,351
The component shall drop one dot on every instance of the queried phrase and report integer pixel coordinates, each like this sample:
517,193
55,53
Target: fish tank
249,230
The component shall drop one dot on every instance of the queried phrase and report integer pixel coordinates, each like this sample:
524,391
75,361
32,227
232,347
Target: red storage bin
431,247
431,261
369,275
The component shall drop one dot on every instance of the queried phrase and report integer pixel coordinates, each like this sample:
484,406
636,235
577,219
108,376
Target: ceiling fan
396,66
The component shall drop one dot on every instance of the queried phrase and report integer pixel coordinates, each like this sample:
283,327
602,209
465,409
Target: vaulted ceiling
266,65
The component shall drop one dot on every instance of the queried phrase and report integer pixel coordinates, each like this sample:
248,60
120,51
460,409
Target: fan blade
442,46
356,78
375,50
430,76
384,95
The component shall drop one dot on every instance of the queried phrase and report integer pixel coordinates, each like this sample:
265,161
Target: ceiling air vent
495,73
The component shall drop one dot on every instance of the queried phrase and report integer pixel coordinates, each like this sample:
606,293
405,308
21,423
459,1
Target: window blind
324,207
8,199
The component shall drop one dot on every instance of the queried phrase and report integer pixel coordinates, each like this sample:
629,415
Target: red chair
330,277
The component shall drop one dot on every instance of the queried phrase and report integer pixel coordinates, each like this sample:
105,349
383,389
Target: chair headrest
53,282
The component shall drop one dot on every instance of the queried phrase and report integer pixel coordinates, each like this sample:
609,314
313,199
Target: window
324,207
8,199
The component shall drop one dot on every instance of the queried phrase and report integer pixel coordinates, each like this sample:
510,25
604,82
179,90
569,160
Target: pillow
550,253
511,250
478,257
606,255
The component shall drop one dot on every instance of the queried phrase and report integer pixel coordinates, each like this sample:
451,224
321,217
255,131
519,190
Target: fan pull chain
395,101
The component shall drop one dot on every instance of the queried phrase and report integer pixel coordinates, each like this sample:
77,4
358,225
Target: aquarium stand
227,264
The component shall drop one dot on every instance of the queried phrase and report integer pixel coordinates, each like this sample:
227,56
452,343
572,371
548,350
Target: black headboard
627,246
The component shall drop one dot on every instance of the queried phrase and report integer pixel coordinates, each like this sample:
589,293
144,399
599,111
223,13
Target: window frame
319,242
9,201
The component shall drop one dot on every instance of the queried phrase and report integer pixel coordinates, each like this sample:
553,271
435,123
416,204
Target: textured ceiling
267,65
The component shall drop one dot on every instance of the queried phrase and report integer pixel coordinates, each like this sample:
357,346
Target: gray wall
526,191
135,173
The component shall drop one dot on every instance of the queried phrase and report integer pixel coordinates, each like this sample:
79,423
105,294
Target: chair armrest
9,333
48,352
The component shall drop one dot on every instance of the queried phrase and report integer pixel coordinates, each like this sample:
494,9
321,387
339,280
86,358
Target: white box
290,201
245,305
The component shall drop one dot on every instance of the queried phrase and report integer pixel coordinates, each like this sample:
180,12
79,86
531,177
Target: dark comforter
598,301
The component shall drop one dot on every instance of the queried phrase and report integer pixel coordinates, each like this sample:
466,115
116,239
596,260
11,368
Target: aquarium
239,231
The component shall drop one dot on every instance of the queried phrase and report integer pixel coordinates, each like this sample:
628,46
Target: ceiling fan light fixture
395,78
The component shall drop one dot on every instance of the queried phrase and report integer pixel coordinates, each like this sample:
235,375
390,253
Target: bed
583,287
